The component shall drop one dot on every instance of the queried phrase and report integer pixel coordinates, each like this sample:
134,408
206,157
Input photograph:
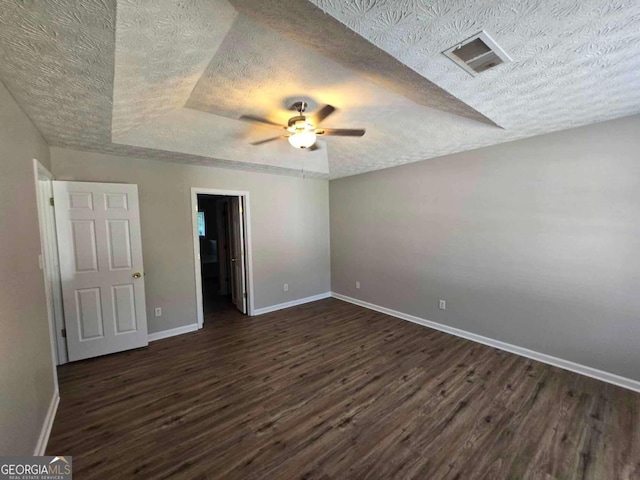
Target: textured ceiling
168,79
574,61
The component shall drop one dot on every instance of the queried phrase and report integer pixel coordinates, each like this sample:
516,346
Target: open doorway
222,253
215,253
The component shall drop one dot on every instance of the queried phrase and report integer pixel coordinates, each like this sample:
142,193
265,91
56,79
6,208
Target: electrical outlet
442,305
286,287
357,284
158,312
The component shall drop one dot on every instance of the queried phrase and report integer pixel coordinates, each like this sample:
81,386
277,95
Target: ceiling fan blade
321,114
260,142
342,132
264,121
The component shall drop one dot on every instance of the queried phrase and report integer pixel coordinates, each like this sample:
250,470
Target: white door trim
195,191
47,264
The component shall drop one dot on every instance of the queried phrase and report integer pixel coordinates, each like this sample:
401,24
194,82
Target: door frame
195,191
48,249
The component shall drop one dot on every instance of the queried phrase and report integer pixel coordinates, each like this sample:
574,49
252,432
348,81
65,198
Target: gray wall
534,242
289,223
26,370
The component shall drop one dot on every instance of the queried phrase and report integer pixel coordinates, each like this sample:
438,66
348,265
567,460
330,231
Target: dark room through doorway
221,254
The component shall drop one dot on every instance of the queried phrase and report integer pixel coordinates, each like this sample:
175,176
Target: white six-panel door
100,250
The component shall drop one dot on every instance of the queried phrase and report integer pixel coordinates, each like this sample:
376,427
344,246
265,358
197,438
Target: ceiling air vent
477,54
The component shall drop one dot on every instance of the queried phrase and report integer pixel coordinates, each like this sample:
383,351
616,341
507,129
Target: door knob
137,275
233,259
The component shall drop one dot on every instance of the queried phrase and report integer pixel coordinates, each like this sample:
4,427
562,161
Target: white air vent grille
477,54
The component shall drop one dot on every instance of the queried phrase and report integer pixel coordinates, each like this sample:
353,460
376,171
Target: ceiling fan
303,129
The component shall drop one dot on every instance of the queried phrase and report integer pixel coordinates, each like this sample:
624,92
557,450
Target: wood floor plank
332,390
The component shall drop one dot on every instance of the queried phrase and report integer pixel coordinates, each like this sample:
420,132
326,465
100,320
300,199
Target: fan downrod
300,107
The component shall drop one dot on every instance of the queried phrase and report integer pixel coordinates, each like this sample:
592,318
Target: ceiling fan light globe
302,139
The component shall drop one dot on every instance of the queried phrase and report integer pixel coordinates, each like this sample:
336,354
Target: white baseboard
292,303
172,332
43,439
524,352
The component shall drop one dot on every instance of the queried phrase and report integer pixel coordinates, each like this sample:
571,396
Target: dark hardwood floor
331,390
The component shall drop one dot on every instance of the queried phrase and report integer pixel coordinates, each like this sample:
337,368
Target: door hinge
245,294
64,333
51,202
